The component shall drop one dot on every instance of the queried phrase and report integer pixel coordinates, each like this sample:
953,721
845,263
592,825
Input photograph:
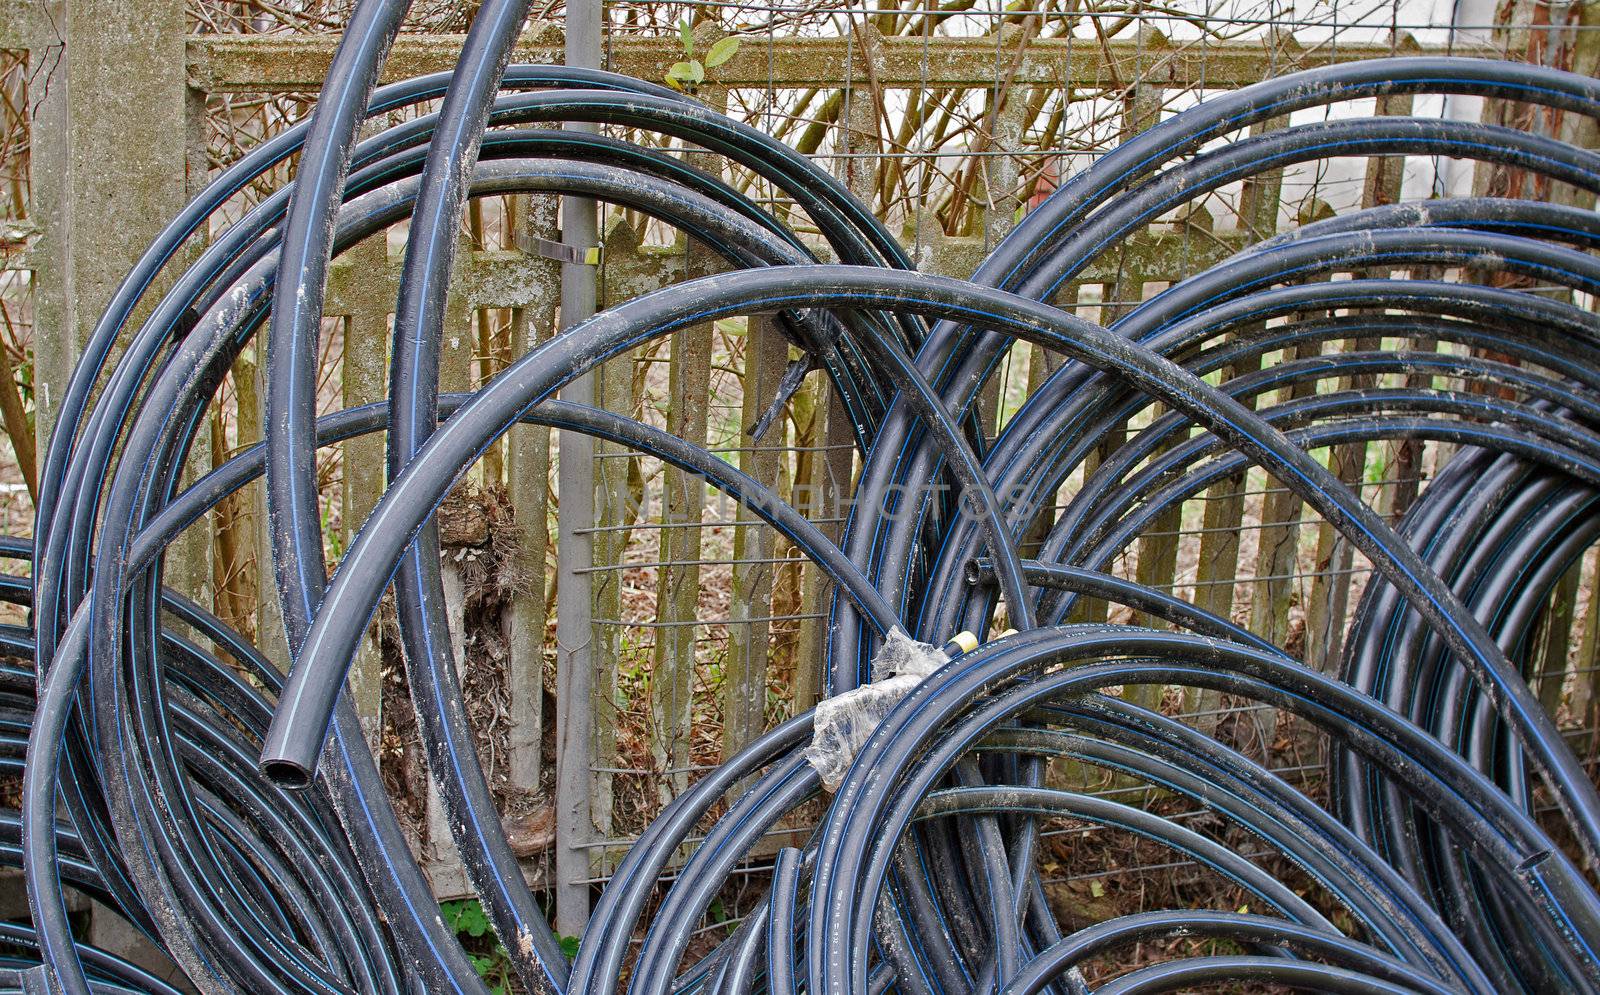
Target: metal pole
574,554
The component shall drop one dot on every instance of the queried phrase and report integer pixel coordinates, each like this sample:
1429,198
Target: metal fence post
575,486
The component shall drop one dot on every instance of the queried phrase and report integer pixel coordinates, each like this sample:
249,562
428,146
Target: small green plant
488,956
466,918
688,74
718,912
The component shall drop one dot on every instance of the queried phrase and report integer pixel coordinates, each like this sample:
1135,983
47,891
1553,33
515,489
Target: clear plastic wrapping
844,722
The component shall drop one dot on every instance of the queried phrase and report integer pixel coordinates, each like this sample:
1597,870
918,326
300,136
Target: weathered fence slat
1216,570
750,605
682,507
1329,599
528,487
364,380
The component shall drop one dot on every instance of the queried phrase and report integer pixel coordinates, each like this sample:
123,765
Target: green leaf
721,52
569,946
685,74
1097,889
686,32
465,916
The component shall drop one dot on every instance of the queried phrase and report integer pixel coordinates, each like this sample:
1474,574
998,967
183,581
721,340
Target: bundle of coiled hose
234,815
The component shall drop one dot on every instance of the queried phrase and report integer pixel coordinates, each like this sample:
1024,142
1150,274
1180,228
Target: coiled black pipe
922,871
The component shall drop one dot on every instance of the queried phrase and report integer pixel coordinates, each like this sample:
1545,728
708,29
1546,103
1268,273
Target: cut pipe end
974,572
287,774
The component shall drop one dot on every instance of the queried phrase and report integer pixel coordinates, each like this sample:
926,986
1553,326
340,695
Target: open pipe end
287,773
978,571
